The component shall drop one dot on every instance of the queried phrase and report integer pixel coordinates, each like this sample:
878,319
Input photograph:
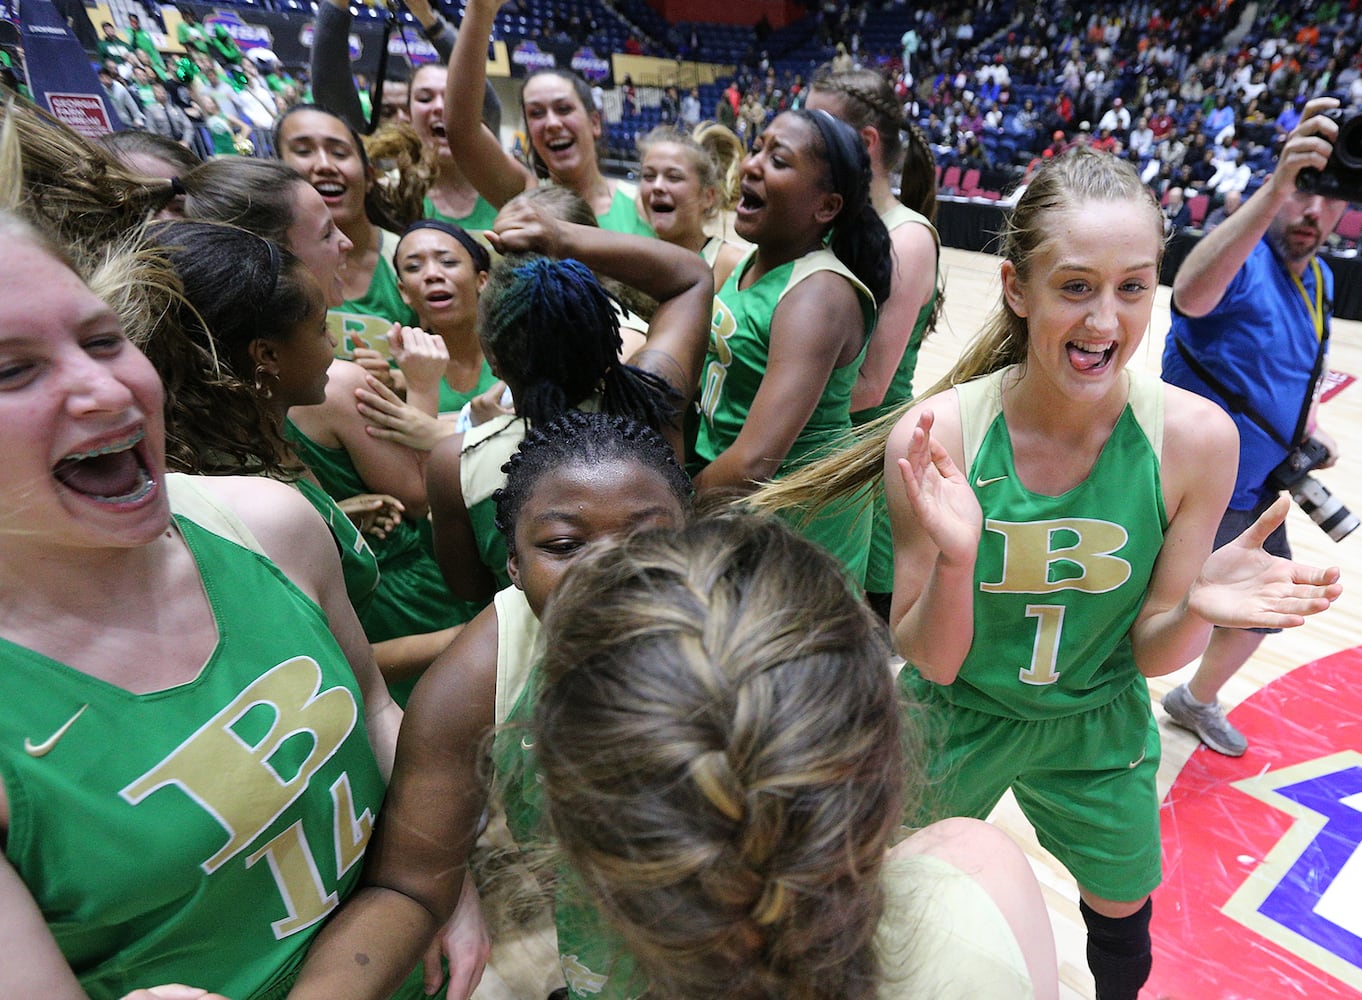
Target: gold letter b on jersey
234,779
1068,553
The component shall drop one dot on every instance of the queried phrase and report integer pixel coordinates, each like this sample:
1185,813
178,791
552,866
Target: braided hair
864,97
582,439
555,336
720,747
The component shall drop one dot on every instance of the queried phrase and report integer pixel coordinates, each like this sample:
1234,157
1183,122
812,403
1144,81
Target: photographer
1251,308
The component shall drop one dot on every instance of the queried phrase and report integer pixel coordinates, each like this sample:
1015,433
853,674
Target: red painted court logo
84,113
1262,893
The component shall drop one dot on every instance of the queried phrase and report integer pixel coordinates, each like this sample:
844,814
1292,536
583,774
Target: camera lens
1348,146
1325,509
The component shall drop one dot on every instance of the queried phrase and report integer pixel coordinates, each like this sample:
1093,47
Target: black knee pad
1120,952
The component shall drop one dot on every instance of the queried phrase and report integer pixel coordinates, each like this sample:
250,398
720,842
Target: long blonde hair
1079,175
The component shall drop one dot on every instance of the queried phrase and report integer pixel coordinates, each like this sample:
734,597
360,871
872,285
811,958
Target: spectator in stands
1176,212
1106,142
1203,169
190,33
164,117
1025,124
1142,138
690,108
670,105
1289,118
1221,116
1116,119
141,41
1233,176
112,46
1163,122
126,106
1233,199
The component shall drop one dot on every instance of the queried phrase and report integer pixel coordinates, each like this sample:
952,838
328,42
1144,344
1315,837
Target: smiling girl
331,157
132,632
560,118
792,322
685,182
1053,513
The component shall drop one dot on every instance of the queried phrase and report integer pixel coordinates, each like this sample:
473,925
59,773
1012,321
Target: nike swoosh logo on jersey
45,747
980,481
1138,760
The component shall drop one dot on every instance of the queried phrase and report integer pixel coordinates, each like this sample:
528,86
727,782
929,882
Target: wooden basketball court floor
971,293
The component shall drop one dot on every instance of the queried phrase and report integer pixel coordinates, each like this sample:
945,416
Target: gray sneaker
1207,721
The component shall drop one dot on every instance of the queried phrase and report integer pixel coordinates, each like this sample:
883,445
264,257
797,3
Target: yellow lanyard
1316,308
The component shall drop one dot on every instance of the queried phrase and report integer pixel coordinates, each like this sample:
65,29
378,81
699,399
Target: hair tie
482,260
177,187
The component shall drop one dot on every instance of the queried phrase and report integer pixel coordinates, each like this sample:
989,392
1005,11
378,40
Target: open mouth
330,190
439,298
661,207
1090,356
749,200
559,145
113,474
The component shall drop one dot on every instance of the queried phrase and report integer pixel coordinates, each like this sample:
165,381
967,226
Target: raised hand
942,499
422,357
523,227
1242,586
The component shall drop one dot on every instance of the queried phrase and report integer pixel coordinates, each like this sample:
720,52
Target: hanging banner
59,72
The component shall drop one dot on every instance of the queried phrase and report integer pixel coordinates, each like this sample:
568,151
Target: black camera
1342,176
1325,509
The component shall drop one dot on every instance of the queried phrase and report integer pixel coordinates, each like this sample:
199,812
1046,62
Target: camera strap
1319,311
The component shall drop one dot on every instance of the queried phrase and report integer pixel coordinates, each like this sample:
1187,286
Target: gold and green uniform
365,321
879,572
739,348
204,832
1049,701
359,565
411,597
595,964
486,448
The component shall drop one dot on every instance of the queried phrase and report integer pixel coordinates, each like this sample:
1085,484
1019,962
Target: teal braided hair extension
555,336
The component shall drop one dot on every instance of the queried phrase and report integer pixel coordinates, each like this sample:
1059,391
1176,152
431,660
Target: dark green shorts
1086,782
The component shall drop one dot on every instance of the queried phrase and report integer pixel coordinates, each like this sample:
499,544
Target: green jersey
1059,580
483,215
622,215
739,347
879,571
359,566
365,321
411,597
204,832
452,400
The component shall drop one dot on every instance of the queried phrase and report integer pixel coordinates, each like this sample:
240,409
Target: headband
482,261
275,265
